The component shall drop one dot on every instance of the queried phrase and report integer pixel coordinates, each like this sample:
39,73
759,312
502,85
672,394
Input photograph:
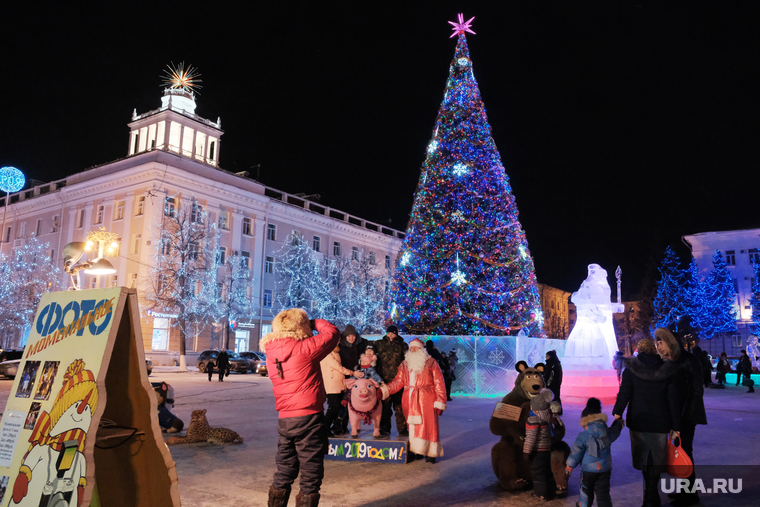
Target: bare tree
182,281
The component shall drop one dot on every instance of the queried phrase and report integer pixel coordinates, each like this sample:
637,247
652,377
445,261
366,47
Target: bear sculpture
507,460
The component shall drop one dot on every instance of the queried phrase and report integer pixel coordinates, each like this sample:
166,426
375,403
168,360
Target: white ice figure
752,350
592,342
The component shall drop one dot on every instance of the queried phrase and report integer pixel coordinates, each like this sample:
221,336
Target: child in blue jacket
592,451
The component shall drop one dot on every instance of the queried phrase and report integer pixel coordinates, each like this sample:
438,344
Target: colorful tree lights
465,267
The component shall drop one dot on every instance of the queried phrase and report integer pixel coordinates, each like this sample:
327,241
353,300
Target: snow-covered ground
240,475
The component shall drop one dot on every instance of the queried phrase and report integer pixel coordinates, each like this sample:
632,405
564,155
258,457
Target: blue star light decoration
11,179
462,26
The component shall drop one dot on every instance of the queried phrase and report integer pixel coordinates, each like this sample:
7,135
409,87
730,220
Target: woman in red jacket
293,357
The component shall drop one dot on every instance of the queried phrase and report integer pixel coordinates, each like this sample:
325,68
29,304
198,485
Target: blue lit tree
719,313
670,301
235,292
694,296
755,301
183,279
465,267
25,275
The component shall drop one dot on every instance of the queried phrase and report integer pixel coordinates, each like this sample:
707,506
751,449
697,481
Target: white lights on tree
460,169
432,146
405,259
457,216
457,277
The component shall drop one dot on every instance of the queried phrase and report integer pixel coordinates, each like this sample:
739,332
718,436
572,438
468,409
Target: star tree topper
462,26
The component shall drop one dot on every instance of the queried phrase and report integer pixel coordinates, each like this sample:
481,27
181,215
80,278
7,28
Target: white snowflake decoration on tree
457,277
432,146
460,169
496,357
405,259
457,216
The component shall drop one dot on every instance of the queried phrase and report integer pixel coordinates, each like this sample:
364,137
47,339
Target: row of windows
316,245
754,256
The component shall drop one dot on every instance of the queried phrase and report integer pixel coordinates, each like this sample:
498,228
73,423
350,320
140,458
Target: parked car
258,362
149,366
9,361
237,363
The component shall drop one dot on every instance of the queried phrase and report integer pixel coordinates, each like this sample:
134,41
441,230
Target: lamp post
75,250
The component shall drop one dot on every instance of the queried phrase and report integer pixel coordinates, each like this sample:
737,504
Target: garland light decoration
464,267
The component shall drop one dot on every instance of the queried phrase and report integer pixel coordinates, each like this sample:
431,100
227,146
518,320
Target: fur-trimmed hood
674,346
290,324
650,367
593,417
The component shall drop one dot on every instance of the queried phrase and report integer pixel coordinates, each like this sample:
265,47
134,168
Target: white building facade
740,249
174,154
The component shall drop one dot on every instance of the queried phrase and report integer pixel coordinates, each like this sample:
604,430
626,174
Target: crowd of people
661,396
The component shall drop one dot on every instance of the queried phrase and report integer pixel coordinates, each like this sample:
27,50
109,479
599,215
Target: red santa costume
424,395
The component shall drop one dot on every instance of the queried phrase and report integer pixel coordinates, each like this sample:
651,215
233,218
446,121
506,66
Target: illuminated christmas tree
670,302
720,310
755,301
465,267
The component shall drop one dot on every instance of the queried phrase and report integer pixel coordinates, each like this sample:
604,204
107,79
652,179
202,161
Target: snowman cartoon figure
52,473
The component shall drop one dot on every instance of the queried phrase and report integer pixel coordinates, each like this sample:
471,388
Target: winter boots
278,497
311,500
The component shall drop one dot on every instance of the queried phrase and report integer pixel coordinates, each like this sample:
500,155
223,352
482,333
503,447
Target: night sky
622,125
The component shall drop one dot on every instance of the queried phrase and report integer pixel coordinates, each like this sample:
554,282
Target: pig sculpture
363,404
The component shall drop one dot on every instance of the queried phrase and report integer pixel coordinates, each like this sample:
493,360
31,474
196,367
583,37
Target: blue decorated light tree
755,301
694,296
719,313
670,301
25,275
465,267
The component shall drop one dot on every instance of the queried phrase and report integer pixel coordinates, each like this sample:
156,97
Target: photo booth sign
81,425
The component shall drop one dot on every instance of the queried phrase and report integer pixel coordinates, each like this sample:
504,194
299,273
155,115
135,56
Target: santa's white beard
416,360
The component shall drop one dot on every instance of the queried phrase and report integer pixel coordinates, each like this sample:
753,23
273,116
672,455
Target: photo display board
59,436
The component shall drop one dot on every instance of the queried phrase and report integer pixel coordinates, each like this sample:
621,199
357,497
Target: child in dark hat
367,364
592,451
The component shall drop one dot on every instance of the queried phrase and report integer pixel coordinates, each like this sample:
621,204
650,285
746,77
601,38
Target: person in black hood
690,384
704,362
649,392
553,374
352,345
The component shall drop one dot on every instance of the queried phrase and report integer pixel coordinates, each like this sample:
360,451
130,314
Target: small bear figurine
200,431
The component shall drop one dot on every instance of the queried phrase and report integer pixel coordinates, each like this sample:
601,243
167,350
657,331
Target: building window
170,207
336,248
133,280
81,219
114,281
38,229
94,282
56,224
166,245
731,257
247,227
99,214
272,232
196,214
387,262
7,234
140,206
267,298
315,243
136,243
224,221
372,257
736,286
296,237
737,340
354,253
221,255
269,265
160,334
193,251
22,230
246,259
117,248
754,256
119,211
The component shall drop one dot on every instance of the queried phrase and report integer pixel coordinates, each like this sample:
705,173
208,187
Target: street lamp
75,250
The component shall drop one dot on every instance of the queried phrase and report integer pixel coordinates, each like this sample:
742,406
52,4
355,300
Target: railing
30,193
180,111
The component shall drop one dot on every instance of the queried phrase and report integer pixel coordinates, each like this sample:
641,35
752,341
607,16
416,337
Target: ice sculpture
592,341
753,351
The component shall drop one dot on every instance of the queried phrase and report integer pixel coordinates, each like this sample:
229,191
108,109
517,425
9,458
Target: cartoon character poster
58,392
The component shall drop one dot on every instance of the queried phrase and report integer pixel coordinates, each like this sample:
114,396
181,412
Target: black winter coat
350,352
745,365
553,374
649,390
691,389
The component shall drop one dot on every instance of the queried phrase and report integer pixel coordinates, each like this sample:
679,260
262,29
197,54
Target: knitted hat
392,329
78,385
370,347
593,406
416,343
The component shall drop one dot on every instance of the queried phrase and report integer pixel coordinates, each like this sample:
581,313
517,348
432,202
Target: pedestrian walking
704,363
593,452
689,382
650,395
390,353
553,374
222,364
618,364
293,361
210,368
453,361
744,368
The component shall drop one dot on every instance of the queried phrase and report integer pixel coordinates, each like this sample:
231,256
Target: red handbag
679,463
